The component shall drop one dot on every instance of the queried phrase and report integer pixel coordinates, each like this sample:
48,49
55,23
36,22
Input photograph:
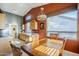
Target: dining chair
54,36
60,45
62,49
15,50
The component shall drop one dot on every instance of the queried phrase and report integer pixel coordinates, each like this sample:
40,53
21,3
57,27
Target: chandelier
42,15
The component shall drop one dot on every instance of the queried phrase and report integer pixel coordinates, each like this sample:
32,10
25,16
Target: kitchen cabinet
2,21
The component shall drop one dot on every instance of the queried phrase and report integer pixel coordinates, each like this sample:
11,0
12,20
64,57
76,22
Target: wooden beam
51,8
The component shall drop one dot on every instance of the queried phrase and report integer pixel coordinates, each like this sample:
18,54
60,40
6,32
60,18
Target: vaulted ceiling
23,8
19,8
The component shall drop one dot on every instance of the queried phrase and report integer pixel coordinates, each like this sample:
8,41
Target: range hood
2,20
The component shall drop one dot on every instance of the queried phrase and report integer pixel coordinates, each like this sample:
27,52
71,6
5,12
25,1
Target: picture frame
42,26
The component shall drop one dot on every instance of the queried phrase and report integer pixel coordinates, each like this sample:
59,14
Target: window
28,30
64,24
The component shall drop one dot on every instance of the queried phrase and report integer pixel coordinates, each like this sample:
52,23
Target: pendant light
42,15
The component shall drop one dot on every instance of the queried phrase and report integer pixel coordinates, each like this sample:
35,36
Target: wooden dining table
41,51
46,49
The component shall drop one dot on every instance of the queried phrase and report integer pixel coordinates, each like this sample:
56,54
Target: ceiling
19,8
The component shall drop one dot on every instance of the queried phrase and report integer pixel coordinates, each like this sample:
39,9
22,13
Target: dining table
49,48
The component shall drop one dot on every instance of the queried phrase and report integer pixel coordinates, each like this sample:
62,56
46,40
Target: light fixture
42,15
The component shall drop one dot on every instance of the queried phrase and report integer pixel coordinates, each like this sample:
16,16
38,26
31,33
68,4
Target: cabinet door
2,21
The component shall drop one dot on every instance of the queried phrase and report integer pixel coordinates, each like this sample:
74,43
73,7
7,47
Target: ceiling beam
50,9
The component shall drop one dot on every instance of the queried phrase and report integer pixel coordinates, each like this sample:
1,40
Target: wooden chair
54,36
62,45
38,42
62,49
16,50
23,37
41,50
35,44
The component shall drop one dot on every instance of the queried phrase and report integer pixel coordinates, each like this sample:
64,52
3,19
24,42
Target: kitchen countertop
6,37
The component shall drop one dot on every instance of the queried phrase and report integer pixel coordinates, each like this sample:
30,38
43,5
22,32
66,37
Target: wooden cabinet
2,21
33,25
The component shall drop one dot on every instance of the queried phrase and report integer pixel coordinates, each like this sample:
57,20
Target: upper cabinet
2,21
33,24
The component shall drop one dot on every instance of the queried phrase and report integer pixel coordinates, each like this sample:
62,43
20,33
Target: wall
11,19
72,45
